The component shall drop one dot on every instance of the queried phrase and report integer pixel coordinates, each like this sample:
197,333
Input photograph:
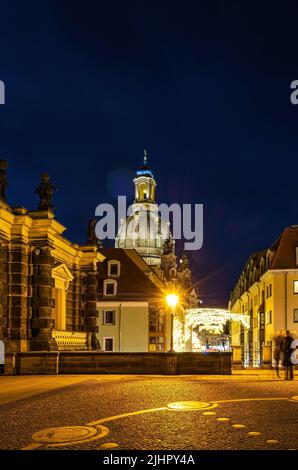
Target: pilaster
42,302
19,315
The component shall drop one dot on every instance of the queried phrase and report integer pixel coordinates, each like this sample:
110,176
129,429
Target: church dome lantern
144,230
145,183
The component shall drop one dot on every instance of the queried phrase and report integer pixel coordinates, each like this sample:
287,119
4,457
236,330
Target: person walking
287,350
278,346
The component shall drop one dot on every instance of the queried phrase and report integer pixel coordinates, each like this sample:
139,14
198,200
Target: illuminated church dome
144,230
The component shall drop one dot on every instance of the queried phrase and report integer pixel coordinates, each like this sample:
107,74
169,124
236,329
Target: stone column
42,302
250,339
90,297
19,321
4,291
237,357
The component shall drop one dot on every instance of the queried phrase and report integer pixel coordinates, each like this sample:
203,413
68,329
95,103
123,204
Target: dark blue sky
204,86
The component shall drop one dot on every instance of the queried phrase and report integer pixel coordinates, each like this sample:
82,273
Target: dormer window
113,268
109,287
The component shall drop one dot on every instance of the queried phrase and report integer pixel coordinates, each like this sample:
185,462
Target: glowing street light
172,301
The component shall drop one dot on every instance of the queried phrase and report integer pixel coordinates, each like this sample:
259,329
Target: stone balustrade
70,340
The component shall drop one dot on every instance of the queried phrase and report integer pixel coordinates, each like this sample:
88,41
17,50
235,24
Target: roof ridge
278,243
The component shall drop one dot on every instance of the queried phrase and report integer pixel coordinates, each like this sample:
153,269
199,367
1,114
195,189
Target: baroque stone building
48,285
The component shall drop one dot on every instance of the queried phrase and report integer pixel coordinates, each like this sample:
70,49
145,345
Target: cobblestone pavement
155,413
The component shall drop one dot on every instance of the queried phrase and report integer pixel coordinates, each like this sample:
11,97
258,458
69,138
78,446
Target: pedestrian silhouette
287,350
278,347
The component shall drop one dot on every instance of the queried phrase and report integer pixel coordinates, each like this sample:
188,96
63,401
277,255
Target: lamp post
172,300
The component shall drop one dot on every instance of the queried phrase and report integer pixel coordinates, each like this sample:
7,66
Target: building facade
131,305
48,285
267,291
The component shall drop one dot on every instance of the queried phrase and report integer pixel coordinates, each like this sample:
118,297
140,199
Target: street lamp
172,300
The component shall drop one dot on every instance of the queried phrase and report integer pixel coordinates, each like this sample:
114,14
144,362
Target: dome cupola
144,230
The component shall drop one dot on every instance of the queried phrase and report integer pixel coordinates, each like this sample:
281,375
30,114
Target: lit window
113,268
295,287
268,317
269,290
295,316
109,344
109,317
110,287
152,343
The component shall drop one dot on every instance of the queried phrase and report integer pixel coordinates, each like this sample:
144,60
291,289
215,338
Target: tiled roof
285,249
137,280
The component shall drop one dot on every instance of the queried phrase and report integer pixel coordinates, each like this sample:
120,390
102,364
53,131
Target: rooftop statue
168,246
3,180
91,235
45,192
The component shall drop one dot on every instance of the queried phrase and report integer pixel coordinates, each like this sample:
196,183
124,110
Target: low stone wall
88,362
204,363
117,363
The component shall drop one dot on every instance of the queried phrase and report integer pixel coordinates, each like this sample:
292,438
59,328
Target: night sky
203,86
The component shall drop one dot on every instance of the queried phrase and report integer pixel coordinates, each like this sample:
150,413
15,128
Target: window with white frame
109,344
109,287
113,268
109,317
295,286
